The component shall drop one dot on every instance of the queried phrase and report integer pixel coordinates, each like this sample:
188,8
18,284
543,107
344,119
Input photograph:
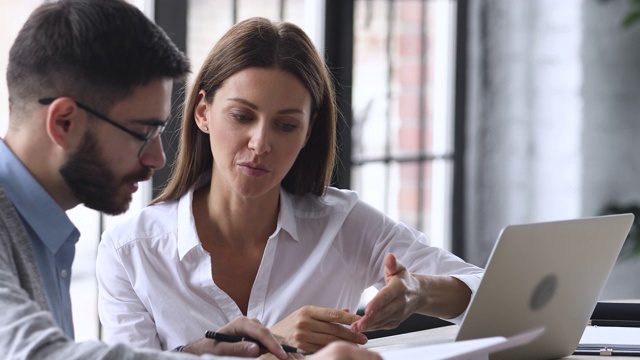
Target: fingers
252,328
345,351
386,310
239,349
330,315
269,356
392,266
310,328
311,340
208,346
391,305
321,326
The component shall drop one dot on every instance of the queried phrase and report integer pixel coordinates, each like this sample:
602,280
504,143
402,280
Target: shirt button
63,273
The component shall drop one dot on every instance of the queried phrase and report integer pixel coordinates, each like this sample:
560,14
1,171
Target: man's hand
337,350
341,350
310,328
241,326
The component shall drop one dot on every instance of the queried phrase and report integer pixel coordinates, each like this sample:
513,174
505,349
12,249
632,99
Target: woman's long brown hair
258,42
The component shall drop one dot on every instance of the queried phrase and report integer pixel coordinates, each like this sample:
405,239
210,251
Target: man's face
94,182
104,170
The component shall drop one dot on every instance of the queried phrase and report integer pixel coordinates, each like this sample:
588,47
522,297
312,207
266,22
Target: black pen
234,338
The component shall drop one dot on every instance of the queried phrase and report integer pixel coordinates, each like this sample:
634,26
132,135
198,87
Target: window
399,86
402,131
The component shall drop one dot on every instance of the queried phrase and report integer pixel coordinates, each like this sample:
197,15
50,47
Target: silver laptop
545,275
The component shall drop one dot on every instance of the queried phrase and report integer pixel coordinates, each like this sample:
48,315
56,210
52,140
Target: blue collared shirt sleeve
53,236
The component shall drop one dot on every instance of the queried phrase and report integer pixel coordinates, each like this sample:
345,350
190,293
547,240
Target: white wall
524,117
611,140
553,119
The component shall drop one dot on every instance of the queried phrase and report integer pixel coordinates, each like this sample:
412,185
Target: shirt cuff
473,282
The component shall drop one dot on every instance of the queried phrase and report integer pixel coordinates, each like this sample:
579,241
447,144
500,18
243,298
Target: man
89,94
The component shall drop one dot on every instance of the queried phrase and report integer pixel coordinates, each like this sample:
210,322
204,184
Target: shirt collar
36,207
287,218
187,234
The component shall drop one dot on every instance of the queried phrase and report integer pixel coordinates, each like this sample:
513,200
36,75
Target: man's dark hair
94,51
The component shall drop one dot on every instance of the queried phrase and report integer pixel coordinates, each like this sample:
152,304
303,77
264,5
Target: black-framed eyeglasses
154,131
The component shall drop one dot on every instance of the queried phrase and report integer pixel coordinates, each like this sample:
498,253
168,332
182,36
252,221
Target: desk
446,334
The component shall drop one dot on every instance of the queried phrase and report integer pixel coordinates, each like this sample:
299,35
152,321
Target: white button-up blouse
156,288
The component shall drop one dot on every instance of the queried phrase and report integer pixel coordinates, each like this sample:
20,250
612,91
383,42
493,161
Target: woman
248,224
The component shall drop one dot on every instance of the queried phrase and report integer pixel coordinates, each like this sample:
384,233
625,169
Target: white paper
610,336
478,349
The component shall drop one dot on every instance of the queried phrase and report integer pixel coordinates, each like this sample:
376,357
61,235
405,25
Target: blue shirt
53,236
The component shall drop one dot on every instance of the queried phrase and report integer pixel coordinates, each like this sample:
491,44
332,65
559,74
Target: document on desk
610,340
477,349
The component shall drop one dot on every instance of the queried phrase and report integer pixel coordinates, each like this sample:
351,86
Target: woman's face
258,122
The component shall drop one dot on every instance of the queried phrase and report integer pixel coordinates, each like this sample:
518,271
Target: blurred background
458,117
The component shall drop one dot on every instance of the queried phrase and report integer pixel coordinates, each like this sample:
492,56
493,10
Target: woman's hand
241,326
406,293
310,328
395,302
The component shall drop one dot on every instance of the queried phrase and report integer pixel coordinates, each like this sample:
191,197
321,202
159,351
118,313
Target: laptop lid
545,275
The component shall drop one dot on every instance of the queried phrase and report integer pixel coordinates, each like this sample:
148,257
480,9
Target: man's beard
92,181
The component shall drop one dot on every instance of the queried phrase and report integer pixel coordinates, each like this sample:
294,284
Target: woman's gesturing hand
395,302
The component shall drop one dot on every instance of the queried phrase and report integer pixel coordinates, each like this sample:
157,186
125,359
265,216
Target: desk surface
443,335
